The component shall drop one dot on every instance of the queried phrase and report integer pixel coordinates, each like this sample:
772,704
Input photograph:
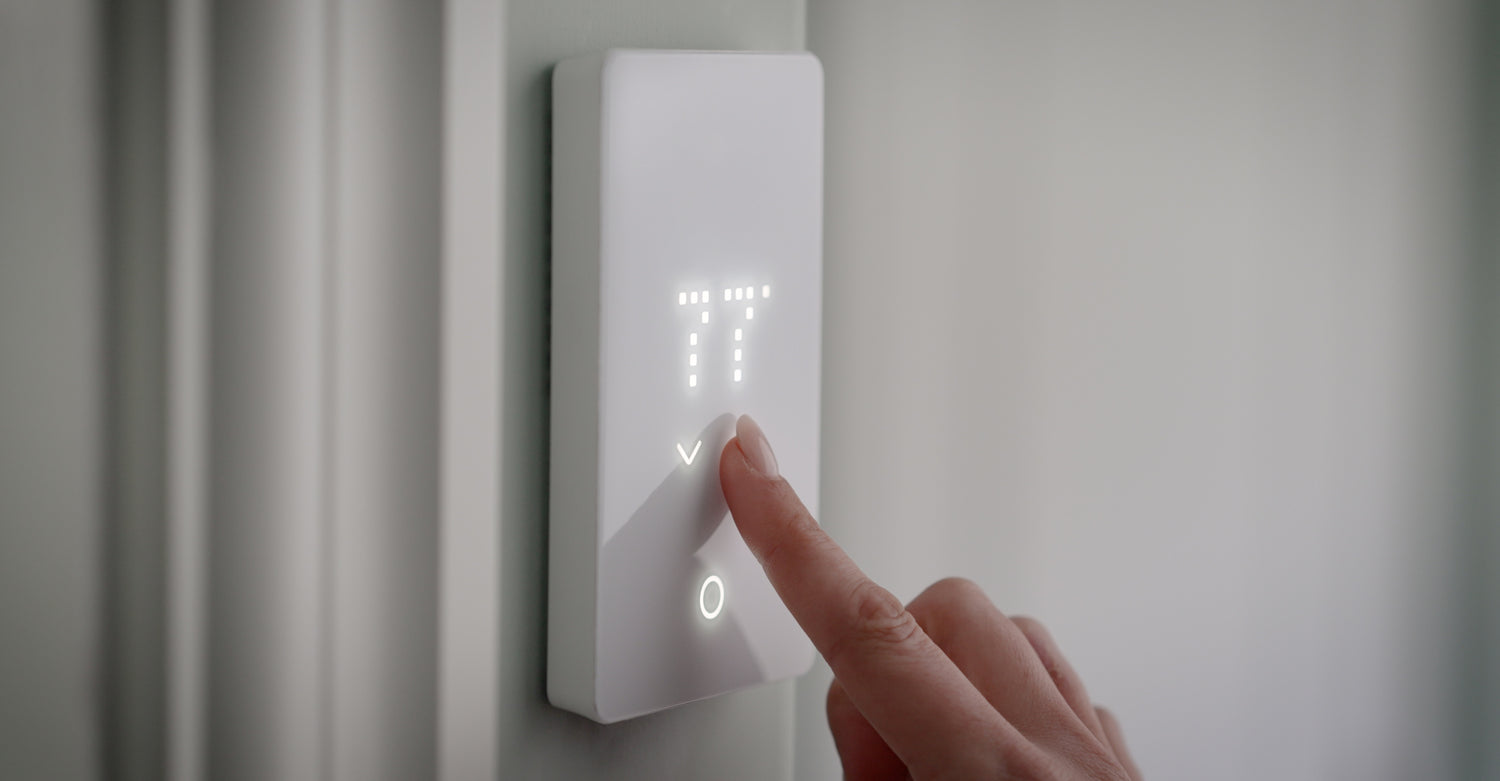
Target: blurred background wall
1170,323
1142,315
52,430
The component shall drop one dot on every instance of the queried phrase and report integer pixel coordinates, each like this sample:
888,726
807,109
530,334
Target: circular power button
711,593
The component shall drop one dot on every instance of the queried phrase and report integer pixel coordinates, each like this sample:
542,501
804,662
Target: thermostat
686,291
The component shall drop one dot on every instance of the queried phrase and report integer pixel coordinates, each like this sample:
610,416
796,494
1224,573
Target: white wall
1141,316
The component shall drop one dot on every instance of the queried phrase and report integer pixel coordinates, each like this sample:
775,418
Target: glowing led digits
702,354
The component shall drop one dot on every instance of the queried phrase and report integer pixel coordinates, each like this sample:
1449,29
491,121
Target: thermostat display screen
718,337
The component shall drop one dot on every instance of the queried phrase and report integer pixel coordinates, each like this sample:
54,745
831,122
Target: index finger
906,687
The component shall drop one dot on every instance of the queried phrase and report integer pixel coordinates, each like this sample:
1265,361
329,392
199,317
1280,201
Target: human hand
945,687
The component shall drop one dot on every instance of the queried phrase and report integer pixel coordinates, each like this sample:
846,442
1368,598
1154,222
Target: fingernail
757,450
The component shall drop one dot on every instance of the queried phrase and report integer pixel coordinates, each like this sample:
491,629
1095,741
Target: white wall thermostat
686,290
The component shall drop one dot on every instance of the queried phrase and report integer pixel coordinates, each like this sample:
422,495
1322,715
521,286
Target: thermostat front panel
687,290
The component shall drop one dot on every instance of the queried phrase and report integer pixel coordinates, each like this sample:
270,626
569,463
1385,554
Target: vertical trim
266,413
473,175
382,342
133,81
1476,584
188,210
327,570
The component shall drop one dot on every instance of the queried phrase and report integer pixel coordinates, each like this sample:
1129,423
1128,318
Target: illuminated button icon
681,299
765,291
749,313
739,293
739,334
693,298
705,317
687,458
711,593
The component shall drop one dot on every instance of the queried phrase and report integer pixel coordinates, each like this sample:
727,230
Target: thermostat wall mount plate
687,290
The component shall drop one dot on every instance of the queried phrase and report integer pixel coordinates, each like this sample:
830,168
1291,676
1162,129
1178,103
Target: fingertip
747,495
734,467
731,452
748,487
756,447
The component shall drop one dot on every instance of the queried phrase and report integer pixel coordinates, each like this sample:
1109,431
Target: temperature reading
703,313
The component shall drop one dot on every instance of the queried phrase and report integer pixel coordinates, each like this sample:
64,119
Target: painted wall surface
746,735
51,379
1141,316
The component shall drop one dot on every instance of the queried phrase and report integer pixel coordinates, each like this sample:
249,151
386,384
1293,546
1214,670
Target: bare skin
946,687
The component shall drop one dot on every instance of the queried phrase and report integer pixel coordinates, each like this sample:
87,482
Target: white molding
473,113
333,182
383,369
189,188
266,683
308,358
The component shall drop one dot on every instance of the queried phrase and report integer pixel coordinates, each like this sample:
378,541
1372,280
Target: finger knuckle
880,621
956,589
1032,627
950,607
876,608
1046,651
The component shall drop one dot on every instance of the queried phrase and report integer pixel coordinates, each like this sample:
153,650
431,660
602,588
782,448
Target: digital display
719,333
